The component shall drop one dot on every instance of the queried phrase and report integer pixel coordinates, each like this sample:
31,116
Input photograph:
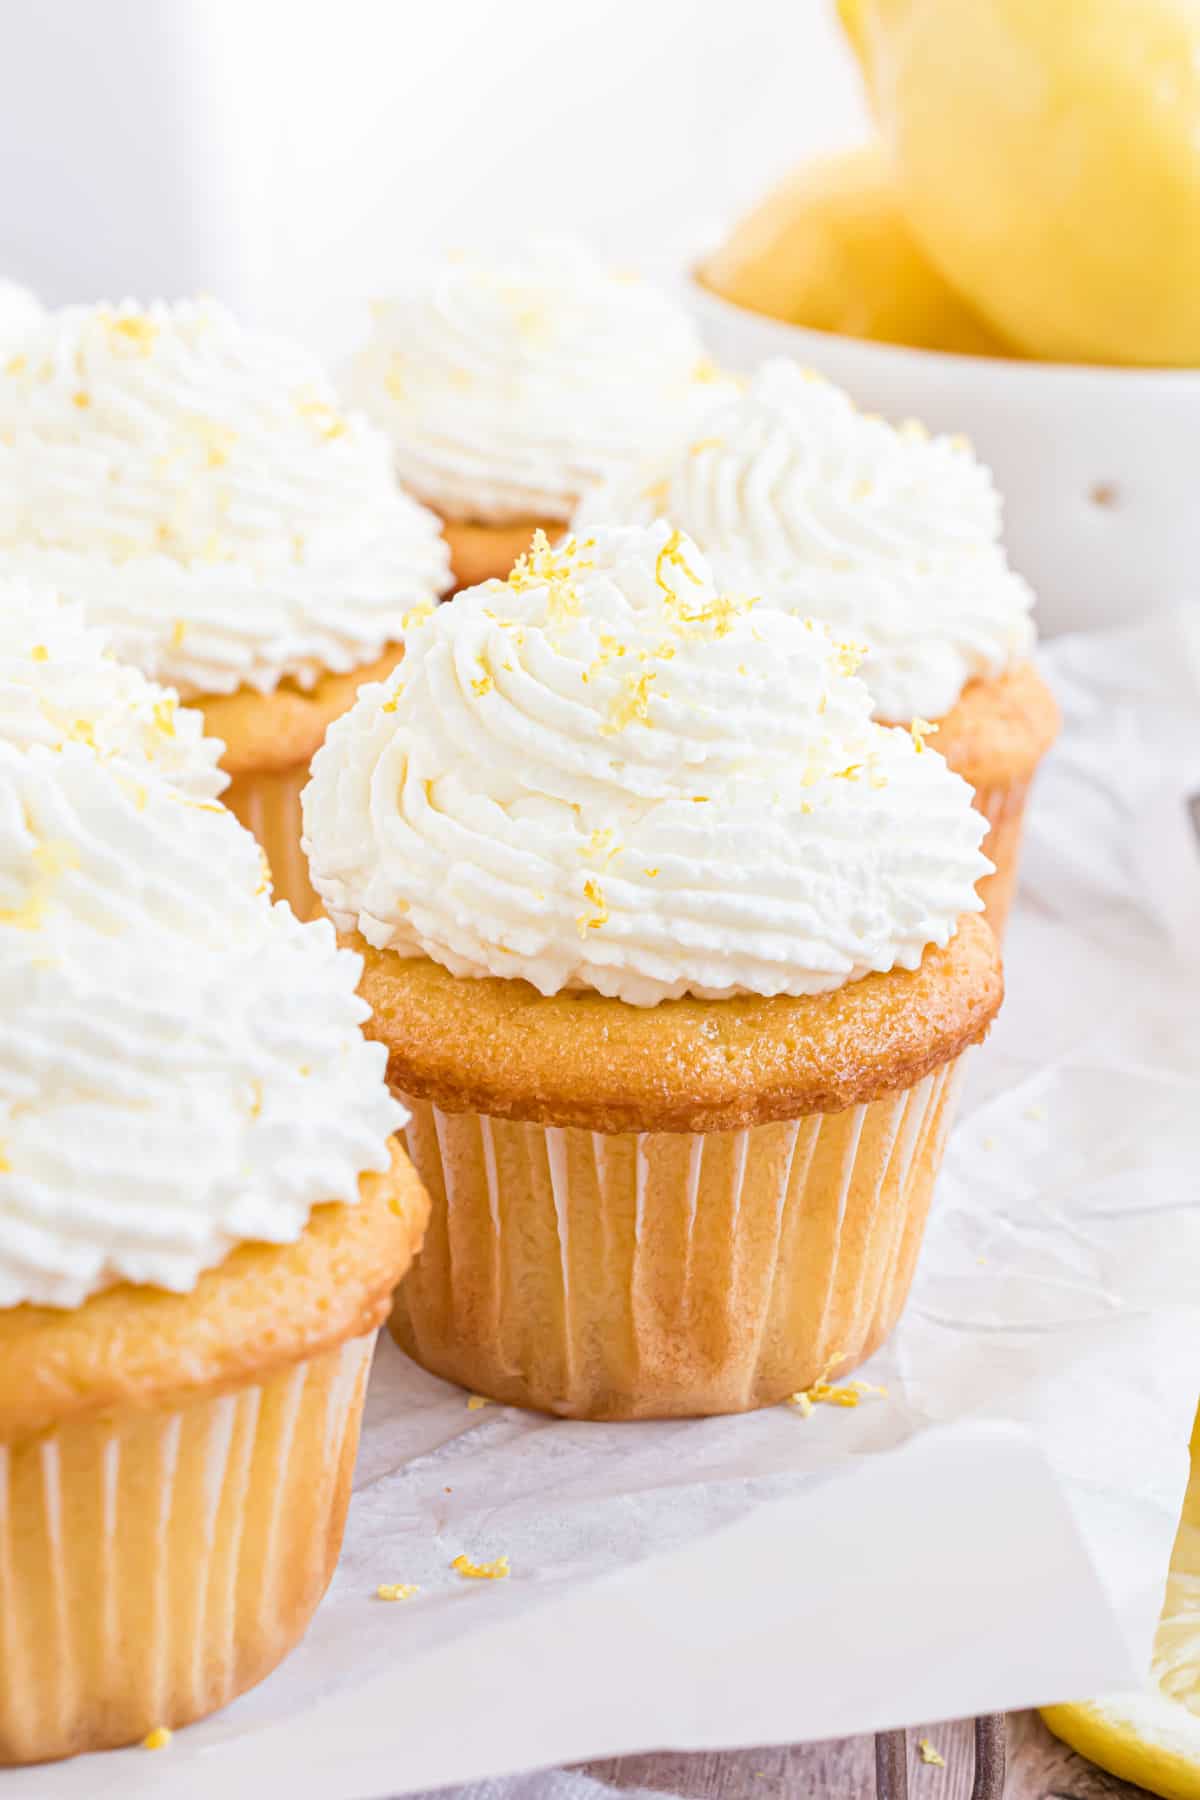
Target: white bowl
1099,468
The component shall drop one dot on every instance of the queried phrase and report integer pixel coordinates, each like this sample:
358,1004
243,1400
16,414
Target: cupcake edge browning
582,1059
265,1307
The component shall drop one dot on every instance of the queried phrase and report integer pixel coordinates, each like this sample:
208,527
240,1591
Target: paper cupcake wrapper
268,804
155,1563
657,1274
1004,810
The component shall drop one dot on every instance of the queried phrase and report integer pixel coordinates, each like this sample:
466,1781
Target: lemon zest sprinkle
164,715
592,891
849,657
498,1570
823,1392
475,1402
158,1739
632,703
672,553
603,845
921,729
137,330
396,1590
325,418
930,1755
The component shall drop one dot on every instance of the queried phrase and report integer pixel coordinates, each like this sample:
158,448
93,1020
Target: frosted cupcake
510,386
195,488
673,952
202,1217
891,536
60,684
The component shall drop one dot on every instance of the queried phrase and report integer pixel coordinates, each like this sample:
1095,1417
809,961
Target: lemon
1153,1738
1047,154
829,248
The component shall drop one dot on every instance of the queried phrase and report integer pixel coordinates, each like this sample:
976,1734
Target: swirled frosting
510,387
889,534
19,312
195,487
181,1063
60,685
605,773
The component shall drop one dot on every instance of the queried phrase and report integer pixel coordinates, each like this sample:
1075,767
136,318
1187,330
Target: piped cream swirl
605,773
889,534
181,1063
510,387
20,311
59,684
195,486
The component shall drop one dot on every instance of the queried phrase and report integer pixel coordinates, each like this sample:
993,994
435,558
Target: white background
292,156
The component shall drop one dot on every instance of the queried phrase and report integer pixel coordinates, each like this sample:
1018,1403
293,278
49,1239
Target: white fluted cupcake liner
1004,810
154,1563
651,1274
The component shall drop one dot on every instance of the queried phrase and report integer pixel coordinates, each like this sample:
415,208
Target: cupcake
510,386
202,1218
674,954
893,538
193,486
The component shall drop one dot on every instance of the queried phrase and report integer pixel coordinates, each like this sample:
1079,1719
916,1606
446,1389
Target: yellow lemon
829,248
1153,1738
1048,157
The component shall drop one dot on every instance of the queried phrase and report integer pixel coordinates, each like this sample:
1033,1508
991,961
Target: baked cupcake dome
893,538
195,488
511,385
202,1217
670,946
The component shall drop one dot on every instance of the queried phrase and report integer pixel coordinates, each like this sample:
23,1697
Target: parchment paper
992,1533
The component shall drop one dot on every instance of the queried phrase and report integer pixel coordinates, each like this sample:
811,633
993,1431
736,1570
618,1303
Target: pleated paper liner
657,1274
156,1563
1004,810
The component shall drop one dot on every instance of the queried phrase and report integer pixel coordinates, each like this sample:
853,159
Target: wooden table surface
1039,1768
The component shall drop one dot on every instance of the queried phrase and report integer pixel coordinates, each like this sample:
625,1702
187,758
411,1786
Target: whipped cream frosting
59,684
889,534
511,386
605,773
194,485
181,1063
19,312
